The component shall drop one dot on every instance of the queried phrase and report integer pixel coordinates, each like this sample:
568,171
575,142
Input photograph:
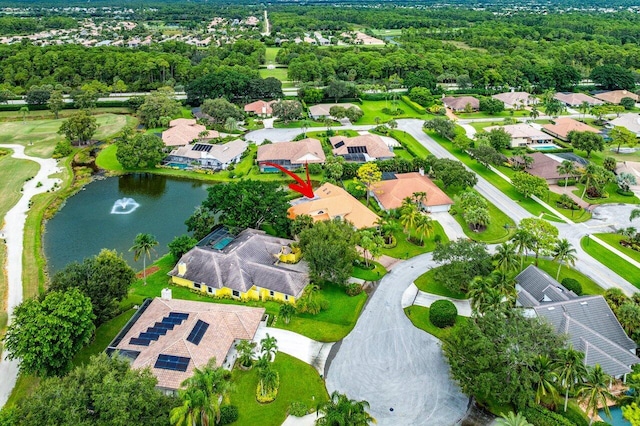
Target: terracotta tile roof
390,193
249,260
522,131
374,144
259,107
305,151
321,110
575,99
226,324
332,201
615,96
564,125
461,102
221,152
182,122
184,134
514,98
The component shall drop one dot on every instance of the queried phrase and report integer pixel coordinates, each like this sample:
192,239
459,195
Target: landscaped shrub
593,192
62,149
354,289
539,416
625,193
269,395
357,189
567,202
443,313
298,409
228,414
414,105
573,285
394,112
573,414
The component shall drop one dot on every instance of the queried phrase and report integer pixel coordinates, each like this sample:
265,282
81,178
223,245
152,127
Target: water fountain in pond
124,206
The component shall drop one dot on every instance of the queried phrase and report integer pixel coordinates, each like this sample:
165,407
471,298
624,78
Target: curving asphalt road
391,364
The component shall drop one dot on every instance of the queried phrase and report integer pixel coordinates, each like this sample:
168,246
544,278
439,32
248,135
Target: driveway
396,367
310,351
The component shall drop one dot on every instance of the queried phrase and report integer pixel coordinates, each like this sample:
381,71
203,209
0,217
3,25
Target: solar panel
157,330
150,336
197,332
356,149
164,325
201,147
172,321
339,144
178,315
139,342
170,362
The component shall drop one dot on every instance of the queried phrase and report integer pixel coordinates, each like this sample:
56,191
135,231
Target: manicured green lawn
427,283
612,261
270,55
405,249
550,267
614,241
419,316
495,232
13,175
369,274
321,134
328,326
527,203
299,382
103,336
410,143
41,136
373,109
279,73
613,197
402,153
332,324
576,216
500,115
107,160
25,386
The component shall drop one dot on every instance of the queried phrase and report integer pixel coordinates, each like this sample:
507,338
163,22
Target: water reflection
143,184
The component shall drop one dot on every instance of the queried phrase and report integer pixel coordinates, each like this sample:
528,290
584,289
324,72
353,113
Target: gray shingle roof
250,259
536,287
588,321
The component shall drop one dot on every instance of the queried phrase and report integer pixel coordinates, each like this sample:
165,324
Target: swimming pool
545,147
616,418
178,165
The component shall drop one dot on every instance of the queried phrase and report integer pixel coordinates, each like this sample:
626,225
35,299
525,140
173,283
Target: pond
109,213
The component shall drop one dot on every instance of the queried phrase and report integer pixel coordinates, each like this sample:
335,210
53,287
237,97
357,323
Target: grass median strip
611,261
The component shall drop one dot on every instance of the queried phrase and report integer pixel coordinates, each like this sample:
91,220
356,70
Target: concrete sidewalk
616,251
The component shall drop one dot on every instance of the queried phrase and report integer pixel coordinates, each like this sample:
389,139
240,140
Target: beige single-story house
523,134
209,156
515,100
172,337
563,125
391,193
290,155
184,131
615,96
460,103
322,110
331,202
361,148
574,100
630,121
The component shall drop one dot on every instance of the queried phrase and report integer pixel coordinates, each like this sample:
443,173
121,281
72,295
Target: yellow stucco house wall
254,293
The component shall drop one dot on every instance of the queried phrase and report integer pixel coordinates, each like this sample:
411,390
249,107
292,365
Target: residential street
394,365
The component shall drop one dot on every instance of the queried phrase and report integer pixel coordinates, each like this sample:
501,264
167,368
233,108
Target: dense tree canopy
46,335
80,127
461,261
142,151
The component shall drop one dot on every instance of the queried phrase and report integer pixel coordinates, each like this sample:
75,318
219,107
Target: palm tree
504,283
567,168
512,419
584,108
305,124
286,311
424,227
268,379
589,174
564,253
189,413
269,347
635,213
202,396
569,366
522,242
24,110
245,352
203,135
534,113
231,124
342,411
484,296
409,215
377,119
544,378
143,244
420,199
595,391
506,257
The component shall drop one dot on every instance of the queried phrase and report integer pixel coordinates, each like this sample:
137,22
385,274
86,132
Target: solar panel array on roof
201,147
339,144
173,363
357,149
197,332
159,329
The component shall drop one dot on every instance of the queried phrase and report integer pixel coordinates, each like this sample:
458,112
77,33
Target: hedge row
413,105
106,104
539,416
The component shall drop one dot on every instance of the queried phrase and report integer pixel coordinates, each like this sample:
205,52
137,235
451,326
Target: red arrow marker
302,187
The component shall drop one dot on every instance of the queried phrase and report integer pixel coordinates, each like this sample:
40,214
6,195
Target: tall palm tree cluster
342,411
412,218
269,378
